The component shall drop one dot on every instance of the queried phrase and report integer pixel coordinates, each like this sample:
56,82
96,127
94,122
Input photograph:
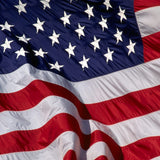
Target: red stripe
18,141
144,149
40,138
32,94
151,45
134,104
109,112
143,4
70,155
102,158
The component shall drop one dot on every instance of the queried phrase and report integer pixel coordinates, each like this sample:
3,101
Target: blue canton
77,39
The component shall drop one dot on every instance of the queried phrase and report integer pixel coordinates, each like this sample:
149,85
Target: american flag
79,79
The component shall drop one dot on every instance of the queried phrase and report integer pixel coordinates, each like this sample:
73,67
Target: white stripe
39,115
99,148
132,130
90,91
57,150
123,133
156,158
148,20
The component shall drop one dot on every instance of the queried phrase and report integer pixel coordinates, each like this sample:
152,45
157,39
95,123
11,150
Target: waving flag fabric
79,80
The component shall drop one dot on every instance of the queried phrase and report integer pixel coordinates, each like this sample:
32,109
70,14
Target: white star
109,55
84,62
40,53
45,3
131,47
56,66
122,14
118,35
6,26
6,45
54,38
70,50
21,7
39,25
20,52
23,38
95,43
103,23
65,19
107,4
89,11
80,30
